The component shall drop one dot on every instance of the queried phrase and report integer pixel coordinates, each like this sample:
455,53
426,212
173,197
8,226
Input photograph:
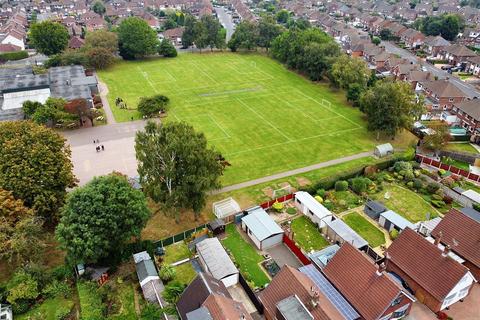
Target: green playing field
264,118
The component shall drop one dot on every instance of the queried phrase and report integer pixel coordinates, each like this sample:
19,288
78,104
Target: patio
283,256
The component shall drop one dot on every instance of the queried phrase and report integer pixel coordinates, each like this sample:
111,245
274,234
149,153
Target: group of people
99,147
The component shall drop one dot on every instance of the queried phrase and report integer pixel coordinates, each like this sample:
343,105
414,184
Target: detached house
434,45
461,233
412,38
437,280
370,290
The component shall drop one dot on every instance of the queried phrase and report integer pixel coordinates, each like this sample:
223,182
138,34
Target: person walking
103,148
97,148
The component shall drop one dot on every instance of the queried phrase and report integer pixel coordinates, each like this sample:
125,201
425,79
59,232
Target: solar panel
330,292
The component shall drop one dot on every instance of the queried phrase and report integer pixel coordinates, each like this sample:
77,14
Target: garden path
106,106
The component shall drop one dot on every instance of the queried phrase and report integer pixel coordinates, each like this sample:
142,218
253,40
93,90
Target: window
399,314
311,213
396,301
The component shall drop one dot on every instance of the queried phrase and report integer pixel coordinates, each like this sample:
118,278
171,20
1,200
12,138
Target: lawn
91,305
461,147
365,229
176,252
185,273
406,203
263,118
245,256
126,292
307,235
47,310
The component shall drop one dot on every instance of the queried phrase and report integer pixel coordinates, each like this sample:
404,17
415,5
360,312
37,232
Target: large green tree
188,36
244,37
136,39
167,49
347,71
150,106
215,35
99,218
267,31
390,106
177,169
35,166
446,25
48,37
102,39
98,7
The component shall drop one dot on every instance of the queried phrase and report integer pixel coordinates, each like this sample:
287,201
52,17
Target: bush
476,206
149,106
402,166
57,288
341,185
291,211
328,204
436,197
62,272
438,203
408,176
360,184
447,200
432,187
321,193
417,184
394,234
319,199
167,273
12,56
278,206
151,312
410,184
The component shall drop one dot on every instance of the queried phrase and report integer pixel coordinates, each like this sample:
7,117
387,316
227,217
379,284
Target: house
473,65
461,232
416,76
468,114
9,48
293,295
261,228
391,220
208,299
437,280
321,258
412,38
434,45
6,312
373,209
457,53
440,94
215,261
152,286
312,209
339,232
174,35
76,42
371,291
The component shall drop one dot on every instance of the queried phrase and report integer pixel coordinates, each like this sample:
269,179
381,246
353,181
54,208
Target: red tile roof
290,281
465,231
424,263
222,308
355,276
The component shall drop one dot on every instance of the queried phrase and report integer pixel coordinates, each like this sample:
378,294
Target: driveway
282,256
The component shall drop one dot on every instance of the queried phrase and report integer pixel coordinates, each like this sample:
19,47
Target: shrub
433,187
447,200
417,184
149,106
441,172
359,184
151,312
394,234
436,197
319,199
410,184
167,273
57,288
62,272
341,185
328,204
12,56
438,203
408,176
476,206
291,211
278,206
402,166
321,192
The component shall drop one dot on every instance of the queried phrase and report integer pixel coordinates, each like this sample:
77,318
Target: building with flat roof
215,261
262,229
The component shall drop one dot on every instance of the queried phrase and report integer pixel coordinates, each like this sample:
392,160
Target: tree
22,287
49,37
267,31
376,40
101,39
188,36
169,24
167,49
98,7
176,167
100,58
20,230
439,138
149,106
283,16
35,166
100,217
136,39
446,25
200,35
244,37
317,58
354,92
390,106
215,38
347,71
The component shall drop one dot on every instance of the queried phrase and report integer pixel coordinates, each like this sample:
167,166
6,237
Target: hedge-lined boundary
11,56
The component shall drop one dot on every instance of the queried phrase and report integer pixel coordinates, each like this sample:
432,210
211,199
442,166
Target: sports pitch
262,117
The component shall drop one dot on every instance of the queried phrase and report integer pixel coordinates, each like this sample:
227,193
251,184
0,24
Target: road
470,90
226,20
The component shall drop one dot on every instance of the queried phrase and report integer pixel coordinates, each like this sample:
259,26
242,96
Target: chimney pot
446,250
438,238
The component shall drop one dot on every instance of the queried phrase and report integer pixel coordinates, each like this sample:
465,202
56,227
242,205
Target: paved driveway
282,256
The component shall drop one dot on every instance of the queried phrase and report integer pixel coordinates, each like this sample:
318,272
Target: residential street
441,74
226,20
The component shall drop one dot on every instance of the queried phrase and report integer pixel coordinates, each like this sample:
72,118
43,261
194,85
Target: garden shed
339,232
217,226
152,286
472,195
215,261
383,150
225,209
261,228
391,220
373,209
311,208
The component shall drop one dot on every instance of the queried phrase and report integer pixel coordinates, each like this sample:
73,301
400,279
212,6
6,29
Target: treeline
446,25
206,32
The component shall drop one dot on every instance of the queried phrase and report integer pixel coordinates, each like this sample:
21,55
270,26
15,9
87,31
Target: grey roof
144,265
216,258
201,313
432,223
25,82
292,308
332,294
347,233
322,257
376,206
472,213
458,190
217,223
71,92
397,220
261,224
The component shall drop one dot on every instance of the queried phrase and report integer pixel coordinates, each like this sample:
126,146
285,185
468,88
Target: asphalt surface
470,90
226,20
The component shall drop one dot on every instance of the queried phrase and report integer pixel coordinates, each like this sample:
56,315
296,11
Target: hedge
16,55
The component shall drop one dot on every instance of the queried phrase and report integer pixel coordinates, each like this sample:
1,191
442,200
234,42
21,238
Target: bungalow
440,94
152,286
293,295
468,114
457,53
208,299
437,280
461,232
312,209
261,228
373,293
434,45
391,220
215,261
339,232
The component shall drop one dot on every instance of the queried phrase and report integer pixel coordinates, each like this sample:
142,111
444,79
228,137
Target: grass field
365,229
307,235
262,117
461,147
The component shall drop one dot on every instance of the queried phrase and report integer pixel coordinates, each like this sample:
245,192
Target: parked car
447,67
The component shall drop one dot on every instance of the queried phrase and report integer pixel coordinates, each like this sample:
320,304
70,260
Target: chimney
315,298
438,238
446,250
381,269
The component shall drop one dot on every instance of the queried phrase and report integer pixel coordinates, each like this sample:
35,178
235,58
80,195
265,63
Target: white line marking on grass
206,74
171,75
218,125
265,120
291,141
339,114
145,75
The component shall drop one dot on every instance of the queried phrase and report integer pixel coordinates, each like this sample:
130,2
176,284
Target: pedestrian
94,141
103,148
131,118
98,148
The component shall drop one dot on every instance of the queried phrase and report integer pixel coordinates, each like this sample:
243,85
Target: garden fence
179,236
447,167
296,250
253,297
270,203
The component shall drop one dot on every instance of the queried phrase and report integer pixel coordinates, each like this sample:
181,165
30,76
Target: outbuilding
391,220
152,286
215,261
311,208
217,226
383,150
339,232
261,228
373,209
